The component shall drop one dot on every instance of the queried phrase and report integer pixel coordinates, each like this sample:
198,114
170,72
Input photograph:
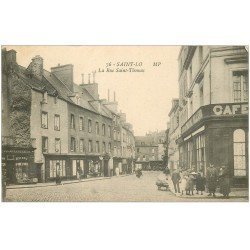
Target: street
122,188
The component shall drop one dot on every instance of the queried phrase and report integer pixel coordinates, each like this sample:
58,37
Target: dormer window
78,100
45,97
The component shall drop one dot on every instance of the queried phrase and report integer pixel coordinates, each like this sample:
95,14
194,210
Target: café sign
230,109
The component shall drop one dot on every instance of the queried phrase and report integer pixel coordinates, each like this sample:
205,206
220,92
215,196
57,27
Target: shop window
81,124
44,120
45,144
73,144
240,86
21,171
57,122
200,153
190,154
72,121
58,145
239,139
57,167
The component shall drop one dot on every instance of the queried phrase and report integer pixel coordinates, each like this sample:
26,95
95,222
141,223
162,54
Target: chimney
36,67
11,56
94,72
65,74
82,78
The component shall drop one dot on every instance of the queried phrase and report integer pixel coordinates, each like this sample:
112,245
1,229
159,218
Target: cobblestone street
127,188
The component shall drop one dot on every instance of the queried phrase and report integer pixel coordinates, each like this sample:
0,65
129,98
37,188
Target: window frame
47,125
72,138
57,116
81,125
56,141
74,122
47,140
232,84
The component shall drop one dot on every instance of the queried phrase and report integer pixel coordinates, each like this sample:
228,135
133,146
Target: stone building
173,134
213,109
52,125
149,150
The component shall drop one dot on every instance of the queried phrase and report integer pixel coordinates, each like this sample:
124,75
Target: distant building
173,135
149,150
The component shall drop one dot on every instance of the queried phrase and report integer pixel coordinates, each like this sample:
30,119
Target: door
10,172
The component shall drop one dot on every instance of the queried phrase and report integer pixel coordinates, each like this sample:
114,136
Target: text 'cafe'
217,134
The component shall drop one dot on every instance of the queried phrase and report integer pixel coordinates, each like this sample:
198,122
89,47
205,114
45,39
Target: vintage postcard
125,123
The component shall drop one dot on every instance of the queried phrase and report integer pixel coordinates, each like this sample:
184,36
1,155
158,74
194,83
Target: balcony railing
18,141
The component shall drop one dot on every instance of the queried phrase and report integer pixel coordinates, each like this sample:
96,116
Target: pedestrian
176,179
224,180
183,181
58,179
200,183
212,178
190,183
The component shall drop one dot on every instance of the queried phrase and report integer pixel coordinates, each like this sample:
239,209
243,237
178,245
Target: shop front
18,165
218,135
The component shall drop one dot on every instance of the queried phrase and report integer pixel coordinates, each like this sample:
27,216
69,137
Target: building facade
213,109
149,150
52,125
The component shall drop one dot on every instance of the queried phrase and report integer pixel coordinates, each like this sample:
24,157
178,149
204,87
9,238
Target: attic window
45,97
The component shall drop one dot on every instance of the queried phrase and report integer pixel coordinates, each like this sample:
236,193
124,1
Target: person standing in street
212,177
224,180
176,179
200,183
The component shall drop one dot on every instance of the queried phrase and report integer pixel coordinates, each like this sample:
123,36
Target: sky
145,95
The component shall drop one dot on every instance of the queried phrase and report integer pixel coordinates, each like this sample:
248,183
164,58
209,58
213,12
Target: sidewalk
47,184
235,193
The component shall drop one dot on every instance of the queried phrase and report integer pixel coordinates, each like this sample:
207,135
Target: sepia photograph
125,123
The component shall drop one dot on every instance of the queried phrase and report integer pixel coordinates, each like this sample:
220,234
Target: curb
64,183
207,197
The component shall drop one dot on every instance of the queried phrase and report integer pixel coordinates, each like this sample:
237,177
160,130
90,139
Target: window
57,145
190,154
97,147
200,153
45,97
109,147
240,86
57,122
138,150
45,144
109,131
57,167
81,145
239,152
104,147
115,135
73,144
89,126
44,120
103,129
90,146
201,54
55,100
201,96
115,151
72,121
97,128
118,135
81,124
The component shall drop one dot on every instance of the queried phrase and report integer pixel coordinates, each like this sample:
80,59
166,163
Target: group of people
186,181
